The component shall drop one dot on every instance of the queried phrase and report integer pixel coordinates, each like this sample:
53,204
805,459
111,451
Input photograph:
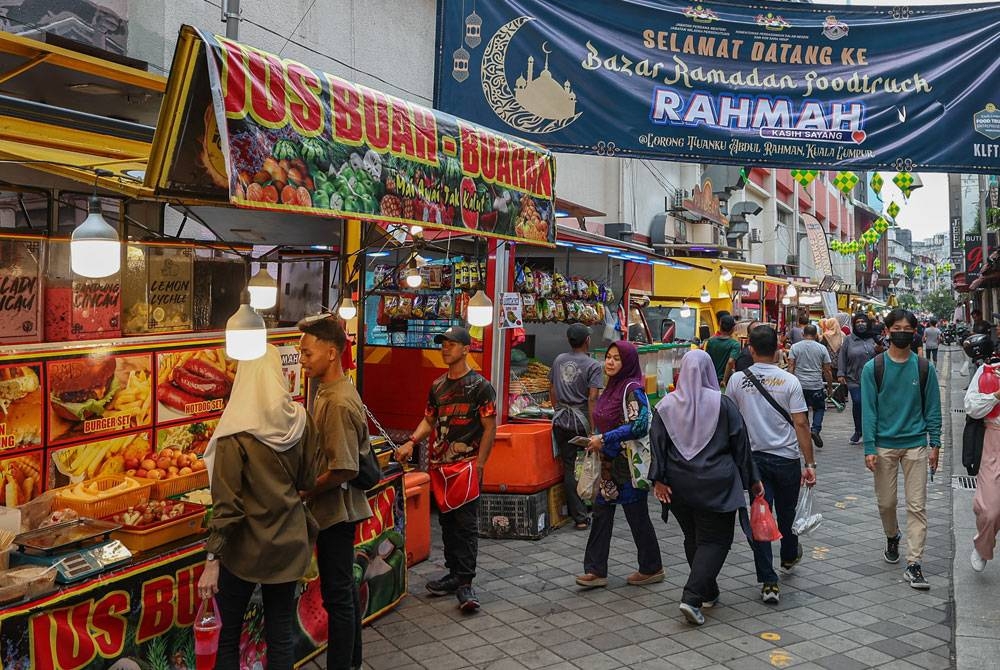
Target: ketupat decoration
892,268
804,177
877,263
863,258
904,180
880,225
892,209
877,183
845,181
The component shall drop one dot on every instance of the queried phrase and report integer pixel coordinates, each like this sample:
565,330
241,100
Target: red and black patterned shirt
456,408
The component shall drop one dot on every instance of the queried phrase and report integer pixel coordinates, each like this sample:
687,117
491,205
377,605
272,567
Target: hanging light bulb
480,310
347,310
263,289
685,310
705,295
786,300
413,278
416,231
726,275
791,292
94,248
246,334
752,286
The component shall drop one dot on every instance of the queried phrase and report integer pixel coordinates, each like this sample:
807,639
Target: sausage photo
175,398
188,380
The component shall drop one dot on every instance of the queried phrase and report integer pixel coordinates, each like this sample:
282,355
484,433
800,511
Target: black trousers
460,534
335,556
708,537
567,452
279,612
595,560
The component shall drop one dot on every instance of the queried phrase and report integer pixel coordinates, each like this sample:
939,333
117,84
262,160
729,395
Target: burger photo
81,388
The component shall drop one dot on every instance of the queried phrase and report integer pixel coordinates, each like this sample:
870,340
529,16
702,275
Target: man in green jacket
900,419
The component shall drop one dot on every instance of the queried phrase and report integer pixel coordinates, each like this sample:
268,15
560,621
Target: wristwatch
211,557
811,466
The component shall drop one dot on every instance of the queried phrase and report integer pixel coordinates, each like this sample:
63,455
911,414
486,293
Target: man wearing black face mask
901,417
858,349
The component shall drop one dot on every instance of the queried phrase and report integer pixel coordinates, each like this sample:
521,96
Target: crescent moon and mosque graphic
539,103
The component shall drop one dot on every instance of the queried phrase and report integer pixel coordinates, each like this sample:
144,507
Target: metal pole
231,17
983,190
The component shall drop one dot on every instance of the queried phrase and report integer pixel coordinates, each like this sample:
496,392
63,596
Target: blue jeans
781,478
816,401
856,407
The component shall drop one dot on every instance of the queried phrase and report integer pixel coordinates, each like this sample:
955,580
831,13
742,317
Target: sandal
582,525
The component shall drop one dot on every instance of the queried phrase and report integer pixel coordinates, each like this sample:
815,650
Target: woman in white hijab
701,466
259,458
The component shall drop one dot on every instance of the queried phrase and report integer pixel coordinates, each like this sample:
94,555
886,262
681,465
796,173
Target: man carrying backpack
901,416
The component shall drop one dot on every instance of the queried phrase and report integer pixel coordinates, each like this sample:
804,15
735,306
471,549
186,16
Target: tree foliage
908,301
939,302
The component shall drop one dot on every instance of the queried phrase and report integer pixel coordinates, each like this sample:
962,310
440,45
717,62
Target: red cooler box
522,461
417,488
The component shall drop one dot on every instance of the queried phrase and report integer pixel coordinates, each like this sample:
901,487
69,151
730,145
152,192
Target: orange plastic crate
522,460
141,539
168,488
109,505
417,488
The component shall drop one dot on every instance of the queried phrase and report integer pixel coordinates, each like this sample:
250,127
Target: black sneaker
788,565
891,554
770,593
817,440
915,576
444,586
856,438
467,600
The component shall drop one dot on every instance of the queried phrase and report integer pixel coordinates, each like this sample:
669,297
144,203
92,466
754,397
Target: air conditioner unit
755,236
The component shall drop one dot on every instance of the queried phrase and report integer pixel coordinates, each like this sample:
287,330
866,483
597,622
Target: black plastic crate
514,516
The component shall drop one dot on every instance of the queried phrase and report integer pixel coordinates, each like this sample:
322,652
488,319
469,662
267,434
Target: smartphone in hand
580,441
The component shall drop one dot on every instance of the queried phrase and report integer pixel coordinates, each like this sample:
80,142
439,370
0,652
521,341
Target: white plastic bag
805,521
964,371
589,474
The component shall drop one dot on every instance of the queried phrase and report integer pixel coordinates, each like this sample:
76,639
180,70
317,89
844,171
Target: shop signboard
266,132
512,311
144,612
974,254
773,84
20,406
817,243
20,290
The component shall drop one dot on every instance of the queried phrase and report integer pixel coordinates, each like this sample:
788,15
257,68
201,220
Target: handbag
369,471
454,484
638,453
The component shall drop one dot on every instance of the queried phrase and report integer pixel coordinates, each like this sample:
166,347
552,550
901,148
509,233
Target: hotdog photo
193,383
20,479
93,395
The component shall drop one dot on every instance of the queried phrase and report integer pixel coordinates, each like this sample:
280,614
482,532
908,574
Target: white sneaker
978,562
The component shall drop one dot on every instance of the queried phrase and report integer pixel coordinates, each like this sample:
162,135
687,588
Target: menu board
83,310
20,406
97,394
292,369
20,478
109,456
192,383
20,291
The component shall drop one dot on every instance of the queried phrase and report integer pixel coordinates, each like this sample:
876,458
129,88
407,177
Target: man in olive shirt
337,505
461,413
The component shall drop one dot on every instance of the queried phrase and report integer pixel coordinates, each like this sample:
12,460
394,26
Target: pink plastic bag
207,625
762,523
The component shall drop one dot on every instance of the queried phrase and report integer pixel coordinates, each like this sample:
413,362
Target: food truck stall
112,384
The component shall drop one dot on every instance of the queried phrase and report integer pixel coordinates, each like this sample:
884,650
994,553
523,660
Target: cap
454,334
577,334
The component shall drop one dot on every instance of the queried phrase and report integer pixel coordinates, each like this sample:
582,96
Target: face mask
901,340
860,328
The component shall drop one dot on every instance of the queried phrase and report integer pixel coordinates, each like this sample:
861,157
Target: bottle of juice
207,625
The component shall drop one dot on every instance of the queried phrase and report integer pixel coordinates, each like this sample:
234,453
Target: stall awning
738,268
570,237
68,113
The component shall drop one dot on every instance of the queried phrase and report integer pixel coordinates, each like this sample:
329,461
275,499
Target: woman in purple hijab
621,414
701,466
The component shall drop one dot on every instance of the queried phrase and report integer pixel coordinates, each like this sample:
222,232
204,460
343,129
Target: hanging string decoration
845,181
804,177
877,182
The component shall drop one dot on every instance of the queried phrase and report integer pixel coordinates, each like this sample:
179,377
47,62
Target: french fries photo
20,479
135,398
105,457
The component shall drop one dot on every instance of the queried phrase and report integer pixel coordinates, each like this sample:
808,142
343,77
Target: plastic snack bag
805,521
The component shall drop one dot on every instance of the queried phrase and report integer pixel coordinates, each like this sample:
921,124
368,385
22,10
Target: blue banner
778,84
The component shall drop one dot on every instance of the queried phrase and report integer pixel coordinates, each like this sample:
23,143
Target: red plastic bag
762,523
989,382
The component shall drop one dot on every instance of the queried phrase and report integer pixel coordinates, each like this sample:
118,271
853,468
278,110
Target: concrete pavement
843,607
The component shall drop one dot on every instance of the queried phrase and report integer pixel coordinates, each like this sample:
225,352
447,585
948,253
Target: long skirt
986,502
